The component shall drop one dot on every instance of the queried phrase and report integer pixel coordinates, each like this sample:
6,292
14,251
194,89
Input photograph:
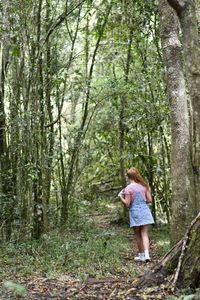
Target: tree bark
122,126
182,177
48,130
6,184
187,14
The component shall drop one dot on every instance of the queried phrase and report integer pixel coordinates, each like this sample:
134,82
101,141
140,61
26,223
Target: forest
89,89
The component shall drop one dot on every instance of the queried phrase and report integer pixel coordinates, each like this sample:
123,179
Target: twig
97,214
165,258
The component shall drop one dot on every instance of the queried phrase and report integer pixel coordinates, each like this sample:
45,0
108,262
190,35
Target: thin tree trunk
166,199
122,126
38,156
5,166
80,135
48,132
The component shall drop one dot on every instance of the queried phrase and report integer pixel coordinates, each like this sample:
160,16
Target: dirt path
105,289
65,287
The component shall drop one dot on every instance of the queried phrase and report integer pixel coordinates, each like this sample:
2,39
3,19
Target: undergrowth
81,251
186,294
88,251
162,236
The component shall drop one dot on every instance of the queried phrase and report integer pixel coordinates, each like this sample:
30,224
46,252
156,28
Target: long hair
133,174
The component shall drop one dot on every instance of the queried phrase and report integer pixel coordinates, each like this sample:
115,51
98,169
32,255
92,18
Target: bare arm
148,196
125,199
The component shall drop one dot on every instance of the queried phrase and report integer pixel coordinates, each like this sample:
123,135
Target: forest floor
61,285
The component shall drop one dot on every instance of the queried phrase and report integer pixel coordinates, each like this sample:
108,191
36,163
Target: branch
73,39
185,240
159,272
59,21
55,121
92,67
178,5
61,18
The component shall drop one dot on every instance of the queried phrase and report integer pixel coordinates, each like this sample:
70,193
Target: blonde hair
133,174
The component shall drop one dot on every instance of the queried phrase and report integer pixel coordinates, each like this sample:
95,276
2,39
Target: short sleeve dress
139,212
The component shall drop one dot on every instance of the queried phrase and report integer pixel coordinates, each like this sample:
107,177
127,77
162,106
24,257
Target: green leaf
16,288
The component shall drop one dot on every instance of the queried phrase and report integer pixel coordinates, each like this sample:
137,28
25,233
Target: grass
86,251
184,294
162,236
90,251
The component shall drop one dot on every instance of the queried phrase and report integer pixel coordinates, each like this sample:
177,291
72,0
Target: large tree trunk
181,263
187,14
182,176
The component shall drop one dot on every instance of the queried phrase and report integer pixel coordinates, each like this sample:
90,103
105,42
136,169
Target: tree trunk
48,131
122,126
81,132
182,178
187,14
6,184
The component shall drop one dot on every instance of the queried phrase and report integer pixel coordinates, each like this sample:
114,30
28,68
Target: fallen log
180,267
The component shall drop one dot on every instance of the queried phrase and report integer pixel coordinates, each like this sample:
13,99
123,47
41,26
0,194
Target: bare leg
145,237
137,231
145,241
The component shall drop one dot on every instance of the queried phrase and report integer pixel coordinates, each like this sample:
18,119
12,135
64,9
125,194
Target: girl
136,196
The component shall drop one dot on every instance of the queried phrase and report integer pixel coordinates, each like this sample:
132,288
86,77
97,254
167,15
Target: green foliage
63,106
88,251
185,295
161,234
16,288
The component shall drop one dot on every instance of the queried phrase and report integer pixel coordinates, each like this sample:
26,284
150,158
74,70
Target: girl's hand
124,198
148,197
120,194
